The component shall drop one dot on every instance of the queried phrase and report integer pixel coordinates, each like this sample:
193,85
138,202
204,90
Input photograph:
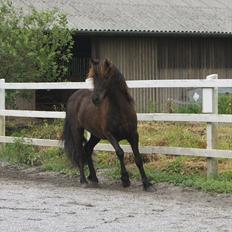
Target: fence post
2,107
210,105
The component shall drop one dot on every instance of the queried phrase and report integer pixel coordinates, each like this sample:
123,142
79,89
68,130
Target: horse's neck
118,101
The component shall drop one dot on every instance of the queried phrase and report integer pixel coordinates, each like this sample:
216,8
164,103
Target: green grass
176,174
193,108
225,104
172,134
220,185
49,129
183,171
50,159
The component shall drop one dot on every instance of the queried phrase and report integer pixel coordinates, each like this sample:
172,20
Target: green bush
49,129
192,108
49,159
175,166
18,153
225,104
35,46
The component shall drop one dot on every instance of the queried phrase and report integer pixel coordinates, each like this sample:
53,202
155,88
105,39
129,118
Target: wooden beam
198,152
2,107
221,118
199,83
210,105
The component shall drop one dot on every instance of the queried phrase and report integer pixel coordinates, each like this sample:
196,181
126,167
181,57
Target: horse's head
102,73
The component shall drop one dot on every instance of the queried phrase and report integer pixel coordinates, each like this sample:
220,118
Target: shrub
35,46
18,153
192,108
225,104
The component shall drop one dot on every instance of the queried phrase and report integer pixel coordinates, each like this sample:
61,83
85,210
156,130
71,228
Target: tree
33,47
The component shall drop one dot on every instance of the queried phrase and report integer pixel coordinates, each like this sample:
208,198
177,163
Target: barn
148,39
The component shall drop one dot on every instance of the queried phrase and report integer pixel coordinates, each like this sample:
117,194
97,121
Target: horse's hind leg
133,140
80,154
89,146
120,153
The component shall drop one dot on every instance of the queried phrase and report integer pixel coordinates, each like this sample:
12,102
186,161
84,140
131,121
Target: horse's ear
107,62
94,61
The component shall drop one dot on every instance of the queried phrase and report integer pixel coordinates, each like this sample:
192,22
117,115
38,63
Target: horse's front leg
120,153
89,146
133,140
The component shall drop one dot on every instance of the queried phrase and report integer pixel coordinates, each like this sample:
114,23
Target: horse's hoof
93,184
151,189
126,184
90,178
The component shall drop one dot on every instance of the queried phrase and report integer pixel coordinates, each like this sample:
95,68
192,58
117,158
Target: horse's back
77,99
79,94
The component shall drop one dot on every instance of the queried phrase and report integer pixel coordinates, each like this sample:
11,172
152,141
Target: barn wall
165,58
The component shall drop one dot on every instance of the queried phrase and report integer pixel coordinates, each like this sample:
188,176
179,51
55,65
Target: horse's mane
113,72
121,82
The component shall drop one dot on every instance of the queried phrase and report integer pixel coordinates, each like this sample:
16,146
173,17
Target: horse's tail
70,145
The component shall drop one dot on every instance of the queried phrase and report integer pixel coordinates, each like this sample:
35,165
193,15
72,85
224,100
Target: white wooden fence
209,116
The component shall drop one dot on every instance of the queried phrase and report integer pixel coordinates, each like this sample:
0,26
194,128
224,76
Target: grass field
181,170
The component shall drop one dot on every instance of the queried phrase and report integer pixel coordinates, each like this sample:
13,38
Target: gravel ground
34,201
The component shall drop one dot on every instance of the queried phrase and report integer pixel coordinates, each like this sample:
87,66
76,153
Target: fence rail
209,116
199,83
199,152
174,117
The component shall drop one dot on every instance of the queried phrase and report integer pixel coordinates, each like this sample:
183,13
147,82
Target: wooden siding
141,58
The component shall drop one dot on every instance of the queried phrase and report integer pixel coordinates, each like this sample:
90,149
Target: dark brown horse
107,112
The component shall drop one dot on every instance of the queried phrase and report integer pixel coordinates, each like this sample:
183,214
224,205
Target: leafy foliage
225,104
192,108
18,153
35,46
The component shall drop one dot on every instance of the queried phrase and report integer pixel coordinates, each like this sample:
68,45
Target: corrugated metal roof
182,16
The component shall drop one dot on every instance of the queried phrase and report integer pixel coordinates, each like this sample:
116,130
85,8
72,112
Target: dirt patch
32,200
17,173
